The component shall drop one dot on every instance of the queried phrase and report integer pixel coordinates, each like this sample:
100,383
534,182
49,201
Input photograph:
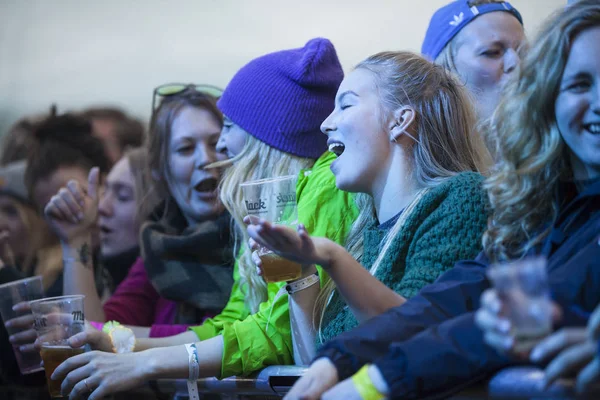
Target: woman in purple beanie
273,109
481,42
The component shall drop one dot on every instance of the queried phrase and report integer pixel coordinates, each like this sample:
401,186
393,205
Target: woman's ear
402,120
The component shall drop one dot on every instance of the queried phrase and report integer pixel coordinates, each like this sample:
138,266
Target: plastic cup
56,319
523,288
274,199
13,293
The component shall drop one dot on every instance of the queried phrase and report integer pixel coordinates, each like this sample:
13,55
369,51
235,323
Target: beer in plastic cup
13,293
274,199
523,288
56,319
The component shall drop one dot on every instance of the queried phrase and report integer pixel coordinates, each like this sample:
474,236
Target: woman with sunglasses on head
545,199
186,238
273,109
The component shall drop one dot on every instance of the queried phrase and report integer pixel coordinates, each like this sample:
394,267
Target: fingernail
22,348
8,324
504,326
14,308
11,339
80,216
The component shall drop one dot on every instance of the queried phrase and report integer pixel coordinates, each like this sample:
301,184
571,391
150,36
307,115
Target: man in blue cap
480,41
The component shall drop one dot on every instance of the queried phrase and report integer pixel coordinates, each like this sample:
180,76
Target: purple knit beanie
282,98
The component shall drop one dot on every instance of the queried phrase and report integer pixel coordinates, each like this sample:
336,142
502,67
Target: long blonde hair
446,141
532,154
257,160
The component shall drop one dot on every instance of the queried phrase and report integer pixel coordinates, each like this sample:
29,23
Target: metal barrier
272,381
516,383
528,383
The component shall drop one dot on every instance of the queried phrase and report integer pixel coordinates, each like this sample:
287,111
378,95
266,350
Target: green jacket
445,226
248,345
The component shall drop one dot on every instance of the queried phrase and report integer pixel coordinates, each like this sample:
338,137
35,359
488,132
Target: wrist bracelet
302,284
194,371
364,386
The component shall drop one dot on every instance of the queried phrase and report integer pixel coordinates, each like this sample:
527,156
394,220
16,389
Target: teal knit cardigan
444,227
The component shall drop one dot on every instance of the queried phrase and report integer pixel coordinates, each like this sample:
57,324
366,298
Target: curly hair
532,157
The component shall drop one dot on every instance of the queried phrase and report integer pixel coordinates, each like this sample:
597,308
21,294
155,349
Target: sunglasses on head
173,89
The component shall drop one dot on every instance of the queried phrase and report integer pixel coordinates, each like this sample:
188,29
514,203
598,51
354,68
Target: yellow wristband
365,386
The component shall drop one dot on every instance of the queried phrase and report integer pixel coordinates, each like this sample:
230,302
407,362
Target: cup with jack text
274,200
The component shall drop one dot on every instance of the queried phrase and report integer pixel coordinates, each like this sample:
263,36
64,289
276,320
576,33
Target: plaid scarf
189,264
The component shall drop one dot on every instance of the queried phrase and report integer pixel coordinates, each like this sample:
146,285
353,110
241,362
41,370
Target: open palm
294,245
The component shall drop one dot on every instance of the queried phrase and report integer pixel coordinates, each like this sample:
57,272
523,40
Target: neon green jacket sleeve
235,310
254,341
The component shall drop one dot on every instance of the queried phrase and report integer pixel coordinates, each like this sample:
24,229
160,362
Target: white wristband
194,371
302,284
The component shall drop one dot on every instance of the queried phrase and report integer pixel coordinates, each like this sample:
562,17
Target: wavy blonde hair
257,160
446,140
532,154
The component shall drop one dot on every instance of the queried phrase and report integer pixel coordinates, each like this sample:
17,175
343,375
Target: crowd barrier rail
516,383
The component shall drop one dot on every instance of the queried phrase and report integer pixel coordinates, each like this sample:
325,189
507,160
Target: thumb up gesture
73,211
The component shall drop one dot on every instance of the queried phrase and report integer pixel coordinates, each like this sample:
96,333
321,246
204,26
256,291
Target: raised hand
73,211
294,245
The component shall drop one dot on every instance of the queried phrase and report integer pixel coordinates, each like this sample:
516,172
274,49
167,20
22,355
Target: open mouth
208,185
336,147
594,129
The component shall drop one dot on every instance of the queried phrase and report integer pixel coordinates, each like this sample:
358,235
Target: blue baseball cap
450,19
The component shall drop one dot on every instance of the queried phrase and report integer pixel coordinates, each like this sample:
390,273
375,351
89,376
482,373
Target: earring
392,137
